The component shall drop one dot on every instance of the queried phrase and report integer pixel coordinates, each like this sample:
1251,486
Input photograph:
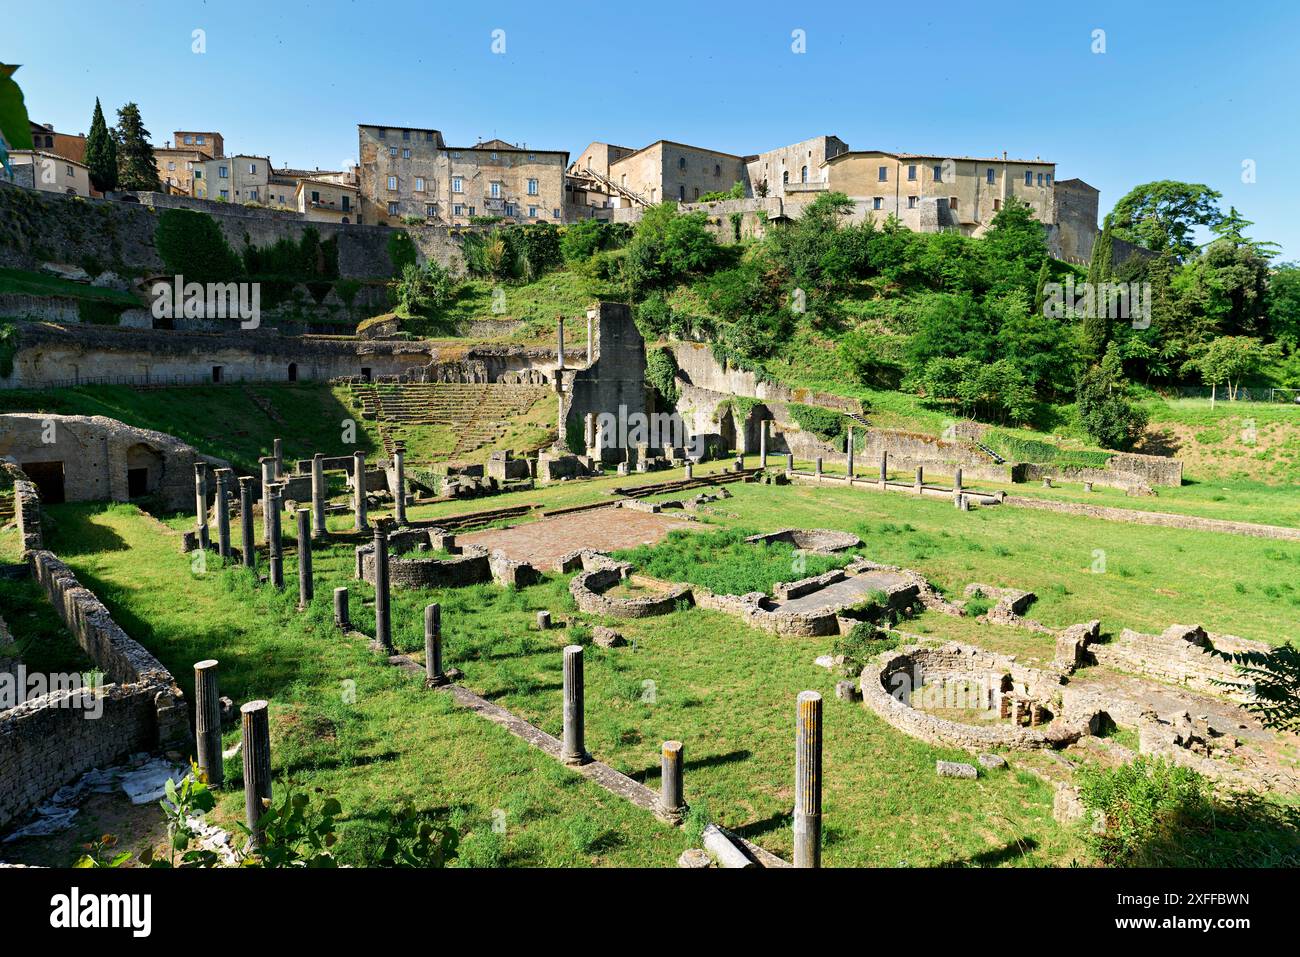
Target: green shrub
826,424
861,644
1140,809
661,375
191,244
401,250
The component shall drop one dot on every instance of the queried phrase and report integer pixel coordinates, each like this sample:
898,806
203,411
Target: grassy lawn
341,721
25,282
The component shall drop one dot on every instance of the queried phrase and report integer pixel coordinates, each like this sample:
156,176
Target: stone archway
144,470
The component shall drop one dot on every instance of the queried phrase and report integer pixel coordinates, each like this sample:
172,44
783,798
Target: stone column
207,722
590,351
789,462
817,467
589,430
559,325
808,781
317,495
573,751
277,453
543,621
850,454
672,805
359,491
273,537
956,481
399,483
434,676
257,765
246,544
268,479
223,513
919,483
305,589
383,610
342,618
884,468
201,503
762,443
690,470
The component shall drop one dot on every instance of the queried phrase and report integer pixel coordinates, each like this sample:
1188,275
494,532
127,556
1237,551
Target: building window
785,177
532,187
419,184
252,194
989,175
315,196
471,210
406,134
681,162
494,156
456,210
952,203
1049,179
392,151
252,169
383,134
406,153
392,182
198,174
997,204
171,165
878,203
510,209
496,190
803,174
430,210
69,169
911,202
883,175
392,209
346,203
938,173
532,212
717,169
457,185
223,172
681,194
189,141
1040,179
1029,178
911,172
199,139
555,213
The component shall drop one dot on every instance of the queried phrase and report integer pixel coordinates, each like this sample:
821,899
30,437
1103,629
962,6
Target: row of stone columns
256,745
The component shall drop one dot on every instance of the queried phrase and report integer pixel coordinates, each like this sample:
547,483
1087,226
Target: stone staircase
478,413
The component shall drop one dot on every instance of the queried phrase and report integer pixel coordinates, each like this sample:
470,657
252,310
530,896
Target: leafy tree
191,244
1015,247
582,240
1273,680
1229,285
1105,412
1283,304
136,167
800,248
986,390
1229,359
666,246
425,291
1040,348
1232,228
101,152
1161,215
860,350
15,127
950,325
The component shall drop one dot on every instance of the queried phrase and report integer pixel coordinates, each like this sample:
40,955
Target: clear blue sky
1185,90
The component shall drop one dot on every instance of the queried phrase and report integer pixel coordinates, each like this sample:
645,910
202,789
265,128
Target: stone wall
601,574
1178,655
1032,472
469,568
1152,469
697,366
27,508
1165,519
615,379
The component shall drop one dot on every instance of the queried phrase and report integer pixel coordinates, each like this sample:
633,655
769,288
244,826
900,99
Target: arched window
717,170
785,177
803,175
293,372
681,162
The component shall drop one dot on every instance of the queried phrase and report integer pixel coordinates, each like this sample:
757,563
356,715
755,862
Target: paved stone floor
842,594
605,529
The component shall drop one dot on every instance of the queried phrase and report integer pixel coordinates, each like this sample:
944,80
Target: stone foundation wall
1165,519
1152,469
749,608
588,587
470,568
1178,655
45,743
27,508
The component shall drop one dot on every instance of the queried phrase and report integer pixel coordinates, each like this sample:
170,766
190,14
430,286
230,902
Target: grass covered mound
724,562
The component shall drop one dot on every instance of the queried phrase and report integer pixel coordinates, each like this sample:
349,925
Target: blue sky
1187,90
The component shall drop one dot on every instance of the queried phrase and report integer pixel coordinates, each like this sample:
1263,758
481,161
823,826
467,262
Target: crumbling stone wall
1165,519
1180,655
27,507
601,574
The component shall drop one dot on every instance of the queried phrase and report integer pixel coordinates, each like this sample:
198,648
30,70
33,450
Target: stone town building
43,170
68,145
176,168
79,458
235,179
322,200
209,142
412,172
588,187
666,170
788,169
929,193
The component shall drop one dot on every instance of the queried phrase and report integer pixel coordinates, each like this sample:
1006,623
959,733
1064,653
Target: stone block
954,769
992,761
607,637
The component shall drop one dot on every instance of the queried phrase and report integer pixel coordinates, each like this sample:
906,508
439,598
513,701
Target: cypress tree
1096,327
136,168
101,153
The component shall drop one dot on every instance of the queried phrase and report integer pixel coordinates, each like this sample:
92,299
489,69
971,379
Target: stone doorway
48,477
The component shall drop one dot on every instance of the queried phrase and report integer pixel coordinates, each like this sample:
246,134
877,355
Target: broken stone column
359,491
543,620
1087,486
808,781
690,470
919,484
223,513
201,503
257,766
589,431
305,589
590,340
317,495
884,468
273,537
956,482
267,465
559,327
850,455
1047,482
383,610
434,676
277,454
672,805
573,750
762,443
246,545
789,462
342,617
963,502
399,483
207,722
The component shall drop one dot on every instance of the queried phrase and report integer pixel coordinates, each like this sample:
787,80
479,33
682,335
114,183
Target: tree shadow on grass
773,822
711,761
997,856
69,530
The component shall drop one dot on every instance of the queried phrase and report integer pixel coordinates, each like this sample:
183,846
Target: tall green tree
1161,215
101,153
136,167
